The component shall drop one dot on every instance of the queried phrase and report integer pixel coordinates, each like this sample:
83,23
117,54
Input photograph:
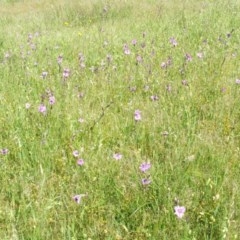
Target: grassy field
119,120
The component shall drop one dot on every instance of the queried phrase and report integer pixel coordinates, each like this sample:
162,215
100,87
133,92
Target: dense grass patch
115,113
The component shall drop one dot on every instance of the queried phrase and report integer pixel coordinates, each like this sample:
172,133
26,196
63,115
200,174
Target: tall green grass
188,132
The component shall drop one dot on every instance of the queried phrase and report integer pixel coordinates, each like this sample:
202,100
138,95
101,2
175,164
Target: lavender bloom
169,88
75,153
179,211
66,73
52,100
145,166
163,65
4,151
80,162
173,41
137,115
146,181
134,42
139,59
188,57
154,98
117,156
126,49
42,109
77,198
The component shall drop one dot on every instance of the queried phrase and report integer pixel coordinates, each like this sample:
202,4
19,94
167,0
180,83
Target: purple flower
52,100
42,109
4,151
185,82
126,49
154,98
137,115
173,41
80,162
66,72
77,198
117,156
179,211
139,59
134,42
75,153
146,181
237,81
145,166
188,57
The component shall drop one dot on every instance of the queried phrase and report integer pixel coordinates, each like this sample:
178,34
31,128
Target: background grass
190,134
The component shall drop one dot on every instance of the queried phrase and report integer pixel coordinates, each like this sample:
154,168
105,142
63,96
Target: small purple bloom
188,57
80,162
185,82
66,72
42,109
146,181
134,42
75,153
179,211
137,115
237,81
139,59
163,65
173,41
154,98
126,49
77,198
117,156
4,151
52,100
145,166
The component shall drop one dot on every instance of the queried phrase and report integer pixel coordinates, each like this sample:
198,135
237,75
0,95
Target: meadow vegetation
119,119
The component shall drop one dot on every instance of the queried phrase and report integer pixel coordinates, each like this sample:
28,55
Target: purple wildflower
80,162
139,59
42,109
134,42
126,49
154,98
4,151
173,41
188,57
185,82
117,156
77,198
145,166
179,211
66,73
146,181
75,153
137,115
52,100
